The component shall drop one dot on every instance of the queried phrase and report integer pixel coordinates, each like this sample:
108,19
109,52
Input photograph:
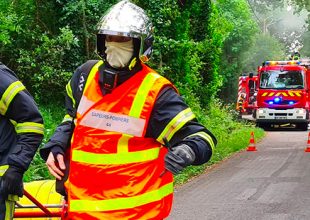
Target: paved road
272,183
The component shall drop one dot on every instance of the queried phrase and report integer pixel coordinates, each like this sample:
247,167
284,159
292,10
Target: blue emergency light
277,100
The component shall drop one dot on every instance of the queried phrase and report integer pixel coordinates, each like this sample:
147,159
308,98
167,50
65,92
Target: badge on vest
114,122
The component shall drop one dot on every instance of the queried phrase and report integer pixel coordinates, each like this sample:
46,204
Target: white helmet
127,19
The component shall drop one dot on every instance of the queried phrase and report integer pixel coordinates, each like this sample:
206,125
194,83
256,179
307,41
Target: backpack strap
84,70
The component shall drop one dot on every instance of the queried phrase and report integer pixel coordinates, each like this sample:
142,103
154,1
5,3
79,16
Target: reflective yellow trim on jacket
29,127
3,168
176,124
10,206
92,73
69,93
9,95
13,122
121,203
118,158
206,137
67,118
142,93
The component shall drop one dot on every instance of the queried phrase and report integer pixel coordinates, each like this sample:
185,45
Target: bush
42,69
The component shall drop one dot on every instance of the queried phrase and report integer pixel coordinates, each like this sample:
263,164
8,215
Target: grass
231,134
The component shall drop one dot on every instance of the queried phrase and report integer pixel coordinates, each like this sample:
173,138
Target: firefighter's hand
178,158
55,162
12,182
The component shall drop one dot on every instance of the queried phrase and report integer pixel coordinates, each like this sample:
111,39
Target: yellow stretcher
40,202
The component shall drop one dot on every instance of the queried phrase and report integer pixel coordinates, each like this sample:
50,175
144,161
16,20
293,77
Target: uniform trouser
7,207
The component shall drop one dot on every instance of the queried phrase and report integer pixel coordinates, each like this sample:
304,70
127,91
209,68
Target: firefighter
21,132
129,132
295,56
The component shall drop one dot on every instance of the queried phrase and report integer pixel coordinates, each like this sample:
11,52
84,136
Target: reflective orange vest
115,171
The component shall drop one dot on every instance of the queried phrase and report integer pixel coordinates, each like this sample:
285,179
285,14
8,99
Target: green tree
239,38
265,48
305,51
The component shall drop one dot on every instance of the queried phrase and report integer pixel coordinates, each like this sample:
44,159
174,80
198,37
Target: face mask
119,53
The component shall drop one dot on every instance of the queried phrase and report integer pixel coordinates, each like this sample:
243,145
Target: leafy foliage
42,67
240,32
264,48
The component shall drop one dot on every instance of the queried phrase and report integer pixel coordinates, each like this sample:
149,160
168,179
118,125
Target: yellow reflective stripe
119,158
265,93
29,127
122,145
137,106
13,122
279,93
298,93
9,95
141,95
67,118
291,93
69,93
206,137
13,198
271,94
3,168
92,73
9,209
121,203
175,124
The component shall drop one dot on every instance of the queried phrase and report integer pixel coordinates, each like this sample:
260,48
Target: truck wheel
254,114
303,126
263,125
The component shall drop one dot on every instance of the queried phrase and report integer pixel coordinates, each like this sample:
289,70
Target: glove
57,150
12,182
178,158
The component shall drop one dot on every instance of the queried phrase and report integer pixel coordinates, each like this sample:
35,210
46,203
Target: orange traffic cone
252,146
308,144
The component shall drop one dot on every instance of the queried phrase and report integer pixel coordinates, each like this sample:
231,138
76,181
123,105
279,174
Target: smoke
290,28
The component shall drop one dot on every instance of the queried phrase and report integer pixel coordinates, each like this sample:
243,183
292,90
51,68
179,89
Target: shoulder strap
84,70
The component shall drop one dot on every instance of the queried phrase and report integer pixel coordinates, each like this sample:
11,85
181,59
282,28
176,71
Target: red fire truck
246,94
282,94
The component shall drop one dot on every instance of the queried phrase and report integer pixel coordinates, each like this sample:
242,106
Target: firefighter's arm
18,106
174,121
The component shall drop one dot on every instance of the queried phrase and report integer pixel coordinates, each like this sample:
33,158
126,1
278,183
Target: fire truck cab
283,93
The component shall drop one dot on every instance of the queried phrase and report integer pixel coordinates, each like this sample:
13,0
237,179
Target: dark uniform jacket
21,124
167,106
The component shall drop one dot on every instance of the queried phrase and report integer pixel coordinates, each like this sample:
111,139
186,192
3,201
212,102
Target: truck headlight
300,111
261,111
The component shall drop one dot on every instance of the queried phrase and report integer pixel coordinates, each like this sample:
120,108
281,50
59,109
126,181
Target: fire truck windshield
276,79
